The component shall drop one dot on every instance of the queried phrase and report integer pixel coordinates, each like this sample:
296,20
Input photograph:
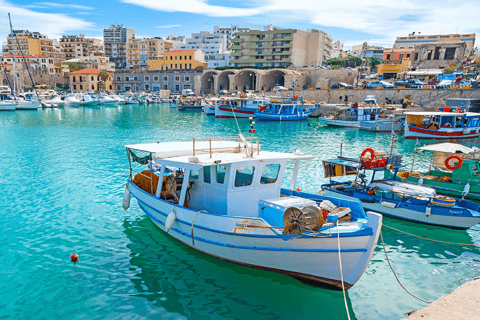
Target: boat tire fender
447,162
369,150
126,199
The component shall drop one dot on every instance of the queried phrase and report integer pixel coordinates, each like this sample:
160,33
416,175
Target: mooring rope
433,240
341,272
391,268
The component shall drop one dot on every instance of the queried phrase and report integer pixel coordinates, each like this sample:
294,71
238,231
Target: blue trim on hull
141,203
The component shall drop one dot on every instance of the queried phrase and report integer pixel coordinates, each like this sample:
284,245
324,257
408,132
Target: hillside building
115,41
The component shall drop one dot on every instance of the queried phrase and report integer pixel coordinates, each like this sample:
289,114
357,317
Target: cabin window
270,173
221,174
244,176
206,175
194,174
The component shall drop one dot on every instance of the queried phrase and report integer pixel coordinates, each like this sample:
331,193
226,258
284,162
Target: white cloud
51,24
169,26
388,19
62,5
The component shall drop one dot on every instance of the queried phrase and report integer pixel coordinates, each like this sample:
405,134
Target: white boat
224,198
108,100
72,101
57,100
240,108
88,100
28,105
353,116
442,125
7,101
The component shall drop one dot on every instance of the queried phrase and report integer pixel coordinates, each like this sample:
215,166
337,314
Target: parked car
411,83
465,83
188,92
445,84
380,84
279,88
341,85
223,92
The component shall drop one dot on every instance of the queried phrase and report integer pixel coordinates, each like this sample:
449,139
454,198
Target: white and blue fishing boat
284,112
196,104
368,112
449,124
396,199
239,108
223,197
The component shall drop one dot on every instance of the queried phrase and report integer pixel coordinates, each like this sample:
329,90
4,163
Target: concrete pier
462,303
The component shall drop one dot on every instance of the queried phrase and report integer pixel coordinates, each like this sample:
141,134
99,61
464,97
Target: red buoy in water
74,257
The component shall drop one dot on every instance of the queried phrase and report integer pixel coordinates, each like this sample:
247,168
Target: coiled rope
391,268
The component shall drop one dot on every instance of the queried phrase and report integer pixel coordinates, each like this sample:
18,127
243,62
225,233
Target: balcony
236,47
237,40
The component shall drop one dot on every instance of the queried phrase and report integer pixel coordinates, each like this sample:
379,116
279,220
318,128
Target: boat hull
445,188
339,123
216,235
8,106
402,213
412,132
28,105
381,126
240,112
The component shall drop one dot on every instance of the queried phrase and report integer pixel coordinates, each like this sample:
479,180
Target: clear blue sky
351,21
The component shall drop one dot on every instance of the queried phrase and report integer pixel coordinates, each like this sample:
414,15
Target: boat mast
15,75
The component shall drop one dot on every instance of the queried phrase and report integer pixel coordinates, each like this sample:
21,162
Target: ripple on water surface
63,175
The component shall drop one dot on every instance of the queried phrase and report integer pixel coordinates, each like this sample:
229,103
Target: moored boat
353,116
284,112
454,171
393,198
442,125
201,203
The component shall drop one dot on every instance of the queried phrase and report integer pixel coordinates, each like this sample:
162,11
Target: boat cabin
219,176
437,120
360,113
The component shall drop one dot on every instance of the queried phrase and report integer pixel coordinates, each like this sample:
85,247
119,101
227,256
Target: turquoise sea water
63,173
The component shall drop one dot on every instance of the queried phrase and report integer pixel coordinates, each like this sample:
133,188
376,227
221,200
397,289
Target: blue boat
284,112
396,199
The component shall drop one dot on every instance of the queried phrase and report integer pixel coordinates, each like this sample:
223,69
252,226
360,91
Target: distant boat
353,116
284,112
7,100
239,108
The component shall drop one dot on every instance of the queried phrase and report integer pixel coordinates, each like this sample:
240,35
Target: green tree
373,61
74,66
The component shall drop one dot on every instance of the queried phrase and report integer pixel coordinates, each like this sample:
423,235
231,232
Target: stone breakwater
429,99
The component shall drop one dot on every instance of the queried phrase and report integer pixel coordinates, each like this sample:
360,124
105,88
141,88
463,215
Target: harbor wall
428,98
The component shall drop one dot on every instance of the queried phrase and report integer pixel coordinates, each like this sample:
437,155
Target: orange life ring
459,110
370,150
438,109
262,108
447,164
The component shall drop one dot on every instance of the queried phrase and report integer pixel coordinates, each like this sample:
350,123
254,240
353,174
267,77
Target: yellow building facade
178,60
88,80
401,66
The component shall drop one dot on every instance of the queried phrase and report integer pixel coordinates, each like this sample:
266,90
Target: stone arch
247,79
272,78
208,82
223,82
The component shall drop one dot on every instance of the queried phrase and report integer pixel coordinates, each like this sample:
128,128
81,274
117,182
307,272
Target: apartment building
229,32
141,50
213,45
409,43
179,60
29,43
154,81
115,41
75,46
337,49
281,48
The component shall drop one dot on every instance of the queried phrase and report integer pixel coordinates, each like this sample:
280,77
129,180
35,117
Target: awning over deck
339,167
447,147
